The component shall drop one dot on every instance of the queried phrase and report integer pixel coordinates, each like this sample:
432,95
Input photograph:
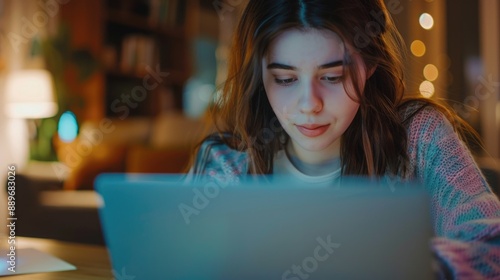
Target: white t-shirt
283,165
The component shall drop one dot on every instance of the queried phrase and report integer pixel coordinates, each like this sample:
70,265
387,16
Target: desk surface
91,261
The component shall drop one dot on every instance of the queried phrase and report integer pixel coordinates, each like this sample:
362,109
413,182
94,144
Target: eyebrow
275,65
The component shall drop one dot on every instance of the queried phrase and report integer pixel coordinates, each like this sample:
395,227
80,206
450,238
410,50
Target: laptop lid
160,227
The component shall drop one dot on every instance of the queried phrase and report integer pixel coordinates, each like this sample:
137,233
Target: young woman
315,90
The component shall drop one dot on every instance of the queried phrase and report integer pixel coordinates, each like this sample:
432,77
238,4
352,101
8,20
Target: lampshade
30,95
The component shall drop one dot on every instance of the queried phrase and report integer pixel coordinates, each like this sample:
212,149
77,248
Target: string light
427,89
418,48
431,72
426,21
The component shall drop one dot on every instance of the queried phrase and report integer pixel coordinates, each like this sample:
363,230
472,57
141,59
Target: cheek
276,103
279,100
342,107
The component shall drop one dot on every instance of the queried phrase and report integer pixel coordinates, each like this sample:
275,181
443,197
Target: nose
310,100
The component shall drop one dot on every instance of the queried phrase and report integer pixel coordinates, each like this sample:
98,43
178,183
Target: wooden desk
91,261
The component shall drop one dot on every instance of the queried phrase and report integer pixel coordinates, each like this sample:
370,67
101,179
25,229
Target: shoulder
419,111
216,156
432,140
436,150
424,120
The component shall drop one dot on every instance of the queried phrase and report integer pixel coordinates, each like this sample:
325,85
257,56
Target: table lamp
29,95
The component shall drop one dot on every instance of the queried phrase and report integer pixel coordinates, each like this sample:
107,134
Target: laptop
166,227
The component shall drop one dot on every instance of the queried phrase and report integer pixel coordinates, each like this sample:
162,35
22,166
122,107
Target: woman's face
304,82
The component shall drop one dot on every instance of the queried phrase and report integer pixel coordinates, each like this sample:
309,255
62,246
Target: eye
332,80
285,82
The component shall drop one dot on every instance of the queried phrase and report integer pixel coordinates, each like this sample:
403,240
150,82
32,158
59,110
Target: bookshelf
143,48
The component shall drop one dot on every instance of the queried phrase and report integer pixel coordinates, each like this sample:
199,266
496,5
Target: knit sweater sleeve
218,161
465,211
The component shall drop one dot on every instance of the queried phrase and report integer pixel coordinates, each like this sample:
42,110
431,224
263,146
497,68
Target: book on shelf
138,51
166,13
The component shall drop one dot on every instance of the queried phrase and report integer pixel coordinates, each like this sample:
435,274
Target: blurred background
123,86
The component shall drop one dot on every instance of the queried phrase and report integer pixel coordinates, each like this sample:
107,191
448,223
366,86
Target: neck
313,163
332,152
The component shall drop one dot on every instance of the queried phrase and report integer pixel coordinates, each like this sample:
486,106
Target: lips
312,130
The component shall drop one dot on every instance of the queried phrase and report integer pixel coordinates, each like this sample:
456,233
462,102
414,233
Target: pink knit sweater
466,213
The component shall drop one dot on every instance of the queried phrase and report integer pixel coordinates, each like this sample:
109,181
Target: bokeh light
427,89
431,72
418,48
67,127
426,21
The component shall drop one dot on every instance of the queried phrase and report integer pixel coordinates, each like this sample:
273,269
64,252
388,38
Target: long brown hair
376,141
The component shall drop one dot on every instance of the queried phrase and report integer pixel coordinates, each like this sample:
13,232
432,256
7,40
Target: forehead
306,46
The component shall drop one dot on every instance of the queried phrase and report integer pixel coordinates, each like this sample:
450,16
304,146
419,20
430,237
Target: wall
488,90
